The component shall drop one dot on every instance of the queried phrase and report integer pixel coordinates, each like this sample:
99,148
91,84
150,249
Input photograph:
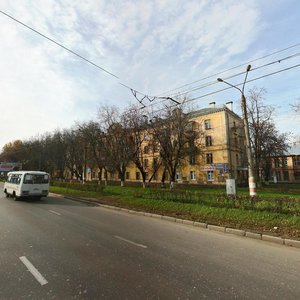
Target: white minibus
27,184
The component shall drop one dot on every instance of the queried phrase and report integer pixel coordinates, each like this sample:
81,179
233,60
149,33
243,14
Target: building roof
212,110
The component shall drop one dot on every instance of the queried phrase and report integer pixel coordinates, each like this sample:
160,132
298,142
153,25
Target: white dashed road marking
130,242
54,212
37,275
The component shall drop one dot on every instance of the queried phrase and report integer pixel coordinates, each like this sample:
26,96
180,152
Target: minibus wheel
15,196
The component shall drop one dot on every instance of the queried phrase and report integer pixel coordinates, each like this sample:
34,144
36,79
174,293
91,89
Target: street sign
8,166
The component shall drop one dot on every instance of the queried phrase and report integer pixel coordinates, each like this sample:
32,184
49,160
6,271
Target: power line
227,88
232,76
58,44
144,96
133,91
232,68
238,74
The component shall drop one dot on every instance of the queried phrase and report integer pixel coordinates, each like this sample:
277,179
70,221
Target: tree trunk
172,184
99,175
163,178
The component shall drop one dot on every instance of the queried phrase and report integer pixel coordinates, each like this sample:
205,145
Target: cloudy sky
153,46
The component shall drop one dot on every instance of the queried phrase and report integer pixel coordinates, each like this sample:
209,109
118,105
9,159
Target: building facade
286,168
222,152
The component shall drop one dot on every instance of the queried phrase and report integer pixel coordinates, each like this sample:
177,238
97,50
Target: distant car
27,184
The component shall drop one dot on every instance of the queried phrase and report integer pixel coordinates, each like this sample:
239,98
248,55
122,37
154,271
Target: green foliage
87,187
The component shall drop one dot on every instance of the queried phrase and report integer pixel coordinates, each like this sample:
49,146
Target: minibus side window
28,179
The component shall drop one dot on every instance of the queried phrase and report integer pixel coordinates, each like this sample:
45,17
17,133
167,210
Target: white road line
37,275
130,242
54,212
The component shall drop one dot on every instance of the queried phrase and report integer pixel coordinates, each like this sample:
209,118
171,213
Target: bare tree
95,138
118,140
74,152
266,141
139,133
296,106
176,138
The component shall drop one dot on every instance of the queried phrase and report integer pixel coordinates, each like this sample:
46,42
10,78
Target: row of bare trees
110,144
117,138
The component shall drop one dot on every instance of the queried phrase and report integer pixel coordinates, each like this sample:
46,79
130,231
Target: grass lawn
281,224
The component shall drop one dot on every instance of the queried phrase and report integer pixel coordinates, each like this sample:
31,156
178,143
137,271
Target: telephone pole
251,178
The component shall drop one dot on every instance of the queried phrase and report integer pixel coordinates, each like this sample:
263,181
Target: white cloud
151,45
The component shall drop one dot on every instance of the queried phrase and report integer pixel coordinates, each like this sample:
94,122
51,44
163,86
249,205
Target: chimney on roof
229,105
212,104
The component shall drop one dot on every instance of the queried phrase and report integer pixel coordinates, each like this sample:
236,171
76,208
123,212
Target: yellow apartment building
222,151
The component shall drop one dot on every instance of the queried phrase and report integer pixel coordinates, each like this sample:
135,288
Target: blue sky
152,46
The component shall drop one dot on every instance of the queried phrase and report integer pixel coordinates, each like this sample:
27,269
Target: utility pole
251,179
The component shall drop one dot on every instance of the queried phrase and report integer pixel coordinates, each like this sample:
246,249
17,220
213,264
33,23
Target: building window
285,175
210,175
207,124
146,149
192,159
146,163
127,175
178,176
236,141
192,175
297,175
155,163
284,162
209,158
297,161
137,175
146,138
208,141
276,163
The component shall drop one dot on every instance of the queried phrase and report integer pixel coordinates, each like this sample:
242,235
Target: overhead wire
232,68
133,91
59,44
152,98
237,74
236,85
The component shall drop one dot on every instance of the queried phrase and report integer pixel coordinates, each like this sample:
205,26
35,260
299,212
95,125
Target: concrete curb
292,243
216,228
238,232
253,235
235,231
273,239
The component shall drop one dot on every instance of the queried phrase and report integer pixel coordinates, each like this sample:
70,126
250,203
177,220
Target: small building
286,168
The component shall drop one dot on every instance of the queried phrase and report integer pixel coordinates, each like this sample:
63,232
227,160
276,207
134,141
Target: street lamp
251,179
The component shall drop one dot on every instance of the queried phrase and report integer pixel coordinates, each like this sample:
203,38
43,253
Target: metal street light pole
251,179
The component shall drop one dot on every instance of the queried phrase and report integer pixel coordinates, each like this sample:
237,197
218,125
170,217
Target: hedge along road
91,252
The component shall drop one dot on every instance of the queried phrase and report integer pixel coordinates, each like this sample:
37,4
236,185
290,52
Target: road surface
62,249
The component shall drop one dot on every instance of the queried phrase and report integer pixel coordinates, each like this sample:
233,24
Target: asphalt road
77,251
